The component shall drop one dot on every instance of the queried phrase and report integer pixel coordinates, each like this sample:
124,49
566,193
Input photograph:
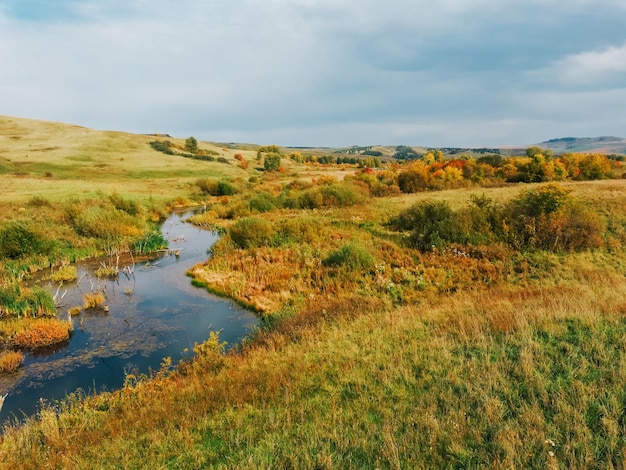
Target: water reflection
152,314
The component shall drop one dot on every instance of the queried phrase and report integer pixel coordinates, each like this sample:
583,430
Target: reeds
93,300
34,334
65,273
10,361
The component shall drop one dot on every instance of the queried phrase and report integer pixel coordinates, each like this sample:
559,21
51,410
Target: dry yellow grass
10,361
34,333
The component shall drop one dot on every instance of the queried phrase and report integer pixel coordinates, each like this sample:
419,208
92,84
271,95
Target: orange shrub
10,361
40,333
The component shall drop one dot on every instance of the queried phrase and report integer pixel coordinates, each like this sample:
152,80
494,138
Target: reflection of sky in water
155,314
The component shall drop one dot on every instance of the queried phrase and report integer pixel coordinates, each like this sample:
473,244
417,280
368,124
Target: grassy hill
605,145
470,327
62,160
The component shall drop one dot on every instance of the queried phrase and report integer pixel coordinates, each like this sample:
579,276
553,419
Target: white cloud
288,70
600,68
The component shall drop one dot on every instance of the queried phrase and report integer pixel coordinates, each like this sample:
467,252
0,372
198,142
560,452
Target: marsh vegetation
427,314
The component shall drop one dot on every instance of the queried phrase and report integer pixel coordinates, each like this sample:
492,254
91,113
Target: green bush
11,302
433,224
215,187
17,239
17,302
298,230
191,144
351,256
262,202
251,232
107,223
151,242
126,205
224,188
164,146
548,218
328,195
272,162
545,200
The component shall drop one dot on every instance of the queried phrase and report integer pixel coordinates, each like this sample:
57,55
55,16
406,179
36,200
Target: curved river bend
154,314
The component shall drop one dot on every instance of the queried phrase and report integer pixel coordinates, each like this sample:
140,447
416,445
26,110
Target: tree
191,145
272,162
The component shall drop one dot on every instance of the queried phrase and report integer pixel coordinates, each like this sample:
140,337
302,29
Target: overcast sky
464,73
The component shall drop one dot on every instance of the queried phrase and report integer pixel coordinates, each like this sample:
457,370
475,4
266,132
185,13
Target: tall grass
523,379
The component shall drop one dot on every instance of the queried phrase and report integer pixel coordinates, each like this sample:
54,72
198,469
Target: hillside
63,160
606,145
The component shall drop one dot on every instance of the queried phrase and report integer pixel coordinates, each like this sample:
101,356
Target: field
473,323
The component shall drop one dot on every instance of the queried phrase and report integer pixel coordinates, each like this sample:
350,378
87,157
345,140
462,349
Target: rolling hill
605,145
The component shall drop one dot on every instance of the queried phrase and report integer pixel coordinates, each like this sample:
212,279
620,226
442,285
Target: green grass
94,161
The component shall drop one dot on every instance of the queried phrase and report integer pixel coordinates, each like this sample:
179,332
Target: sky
445,73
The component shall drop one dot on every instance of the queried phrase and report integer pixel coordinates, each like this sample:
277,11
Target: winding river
153,314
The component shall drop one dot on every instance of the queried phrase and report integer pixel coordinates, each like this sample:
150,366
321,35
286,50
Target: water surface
153,314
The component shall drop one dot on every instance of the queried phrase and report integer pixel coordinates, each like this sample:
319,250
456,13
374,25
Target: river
153,314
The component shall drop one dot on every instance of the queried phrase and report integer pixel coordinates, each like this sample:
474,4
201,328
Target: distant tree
270,149
535,152
493,160
191,145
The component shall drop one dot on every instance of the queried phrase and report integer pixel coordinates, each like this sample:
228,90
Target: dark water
154,314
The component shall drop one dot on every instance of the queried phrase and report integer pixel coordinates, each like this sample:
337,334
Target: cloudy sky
467,73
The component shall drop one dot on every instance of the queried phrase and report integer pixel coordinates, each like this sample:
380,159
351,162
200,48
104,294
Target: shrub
39,302
545,200
39,201
65,274
93,299
251,232
107,271
17,239
351,256
11,301
191,144
433,224
164,146
10,361
224,188
332,195
272,162
262,202
126,205
549,218
300,230
41,333
106,223
151,242
215,187
414,180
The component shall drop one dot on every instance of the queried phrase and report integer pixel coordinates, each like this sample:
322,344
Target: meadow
420,315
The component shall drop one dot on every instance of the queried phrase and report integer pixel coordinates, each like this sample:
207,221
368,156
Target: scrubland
410,318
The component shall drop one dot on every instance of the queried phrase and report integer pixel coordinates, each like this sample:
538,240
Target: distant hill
606,145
